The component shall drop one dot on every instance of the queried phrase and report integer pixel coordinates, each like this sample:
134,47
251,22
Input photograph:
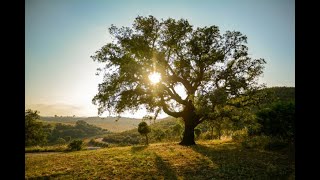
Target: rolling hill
109,123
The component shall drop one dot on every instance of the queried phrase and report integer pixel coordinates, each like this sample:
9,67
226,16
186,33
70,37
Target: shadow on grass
51,176
236,162
165,169
138,148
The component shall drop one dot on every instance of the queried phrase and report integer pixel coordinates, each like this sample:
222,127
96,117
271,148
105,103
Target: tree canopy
212,68
144,129
34,133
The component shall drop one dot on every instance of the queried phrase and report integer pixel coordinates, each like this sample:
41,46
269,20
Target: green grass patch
55,148
207,160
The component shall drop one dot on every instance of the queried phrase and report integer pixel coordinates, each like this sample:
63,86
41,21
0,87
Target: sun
155,77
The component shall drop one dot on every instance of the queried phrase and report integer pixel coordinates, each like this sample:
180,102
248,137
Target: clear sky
61,35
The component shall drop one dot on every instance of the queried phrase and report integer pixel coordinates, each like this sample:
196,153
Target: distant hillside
109,123
276,94
163,129
282,93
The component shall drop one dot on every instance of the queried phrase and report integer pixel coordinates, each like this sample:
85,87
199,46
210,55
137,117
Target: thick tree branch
177,78
199,78
166,109
174,95
202,119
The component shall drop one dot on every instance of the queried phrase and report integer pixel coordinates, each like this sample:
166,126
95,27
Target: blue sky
61,35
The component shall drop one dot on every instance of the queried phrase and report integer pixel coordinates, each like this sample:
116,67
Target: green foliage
68,138
278,120
197,132
125,138
277,143
61,141
239,135
164,130
177,130
34,132
144,129
214,69
55,148
75,145
265,143
258,142
158,134
92,142
80,130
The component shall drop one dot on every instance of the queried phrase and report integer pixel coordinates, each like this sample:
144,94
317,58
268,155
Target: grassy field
207,160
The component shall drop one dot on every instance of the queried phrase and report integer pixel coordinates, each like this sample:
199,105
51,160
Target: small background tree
144,129
75,145
34,133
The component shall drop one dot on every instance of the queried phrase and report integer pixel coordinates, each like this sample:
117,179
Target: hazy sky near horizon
61,35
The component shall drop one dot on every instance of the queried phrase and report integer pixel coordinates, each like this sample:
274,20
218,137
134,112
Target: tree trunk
219,131
191,120
188,136
147,141
211,133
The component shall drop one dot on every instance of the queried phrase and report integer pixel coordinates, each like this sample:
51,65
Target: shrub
239,135
61,141
206,136
265,142
257,142
56,148
278,120
197,132
68,138
92,142
75,145
277,143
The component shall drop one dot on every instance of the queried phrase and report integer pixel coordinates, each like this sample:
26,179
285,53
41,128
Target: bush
265,142
56,148
68,138
239,135
61,141
277,143
197,132
278,120
92,142
75,145
257,142
206,136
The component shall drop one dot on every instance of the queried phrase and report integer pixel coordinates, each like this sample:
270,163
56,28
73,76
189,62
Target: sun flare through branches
154,77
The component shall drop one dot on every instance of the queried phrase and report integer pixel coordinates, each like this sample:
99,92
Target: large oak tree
212,67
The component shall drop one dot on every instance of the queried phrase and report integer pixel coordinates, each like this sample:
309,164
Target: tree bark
211,133
191,120
188,136
147,141
219,132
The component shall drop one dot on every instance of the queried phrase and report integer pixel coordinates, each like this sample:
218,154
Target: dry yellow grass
207,160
